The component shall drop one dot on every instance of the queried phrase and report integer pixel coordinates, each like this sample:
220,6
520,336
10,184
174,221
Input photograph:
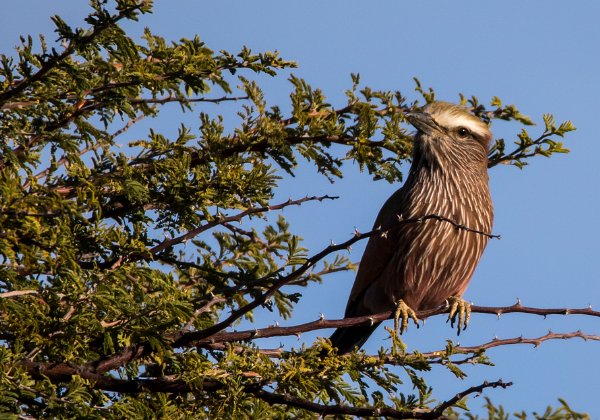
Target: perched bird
421,264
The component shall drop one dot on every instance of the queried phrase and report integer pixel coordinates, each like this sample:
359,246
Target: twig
63,373
536,342
50,63
204,308
323,410
18,293
220,219
91,147
518,153
184,100
439,410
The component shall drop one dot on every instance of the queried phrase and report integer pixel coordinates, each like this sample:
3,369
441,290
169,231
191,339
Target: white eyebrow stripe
453,121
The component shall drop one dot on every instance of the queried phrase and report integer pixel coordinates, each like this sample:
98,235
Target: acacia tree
124,264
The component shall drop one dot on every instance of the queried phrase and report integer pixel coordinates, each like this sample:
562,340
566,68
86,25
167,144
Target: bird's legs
404,312
460,309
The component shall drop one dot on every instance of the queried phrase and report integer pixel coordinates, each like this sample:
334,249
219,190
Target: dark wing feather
378,253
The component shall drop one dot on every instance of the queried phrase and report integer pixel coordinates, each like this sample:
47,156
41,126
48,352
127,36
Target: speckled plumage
426,263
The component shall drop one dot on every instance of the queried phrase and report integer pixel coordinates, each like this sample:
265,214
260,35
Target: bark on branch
321,323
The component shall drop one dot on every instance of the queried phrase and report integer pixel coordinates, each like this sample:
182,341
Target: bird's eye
463,132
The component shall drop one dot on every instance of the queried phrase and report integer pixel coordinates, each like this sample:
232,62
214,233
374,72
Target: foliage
123,258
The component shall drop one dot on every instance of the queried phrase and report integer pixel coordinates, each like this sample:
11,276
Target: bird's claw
404,312
458,309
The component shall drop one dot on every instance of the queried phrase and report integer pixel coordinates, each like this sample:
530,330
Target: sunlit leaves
124,243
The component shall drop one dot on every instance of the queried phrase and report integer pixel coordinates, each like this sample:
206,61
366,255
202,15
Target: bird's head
450,133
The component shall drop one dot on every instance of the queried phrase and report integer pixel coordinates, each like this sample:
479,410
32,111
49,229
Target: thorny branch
277,331
63,372
64,159
219,340
184,100
497,342
341,409
219,219
308,264
17,293
185,338
439,410
519,152
53,61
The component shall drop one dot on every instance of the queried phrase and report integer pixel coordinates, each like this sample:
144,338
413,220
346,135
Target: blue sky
541,56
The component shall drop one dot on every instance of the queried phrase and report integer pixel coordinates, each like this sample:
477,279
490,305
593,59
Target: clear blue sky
541,56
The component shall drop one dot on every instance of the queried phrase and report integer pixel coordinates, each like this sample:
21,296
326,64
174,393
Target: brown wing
378,254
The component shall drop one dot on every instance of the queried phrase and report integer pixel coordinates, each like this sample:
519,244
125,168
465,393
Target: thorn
321,316
356,231
567,312
518,304
400,217
371,321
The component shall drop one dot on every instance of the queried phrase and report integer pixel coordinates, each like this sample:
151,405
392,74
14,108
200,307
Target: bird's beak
423,122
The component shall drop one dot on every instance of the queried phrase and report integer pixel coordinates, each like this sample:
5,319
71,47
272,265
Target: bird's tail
349,338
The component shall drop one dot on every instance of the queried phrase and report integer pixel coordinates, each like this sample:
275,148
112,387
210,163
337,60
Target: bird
433,230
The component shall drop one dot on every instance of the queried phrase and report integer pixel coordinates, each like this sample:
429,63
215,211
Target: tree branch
497,342
220,219
519,152
277,331
183,100
63,372
53,61
18,293
188,337
64,159
323,410
439,410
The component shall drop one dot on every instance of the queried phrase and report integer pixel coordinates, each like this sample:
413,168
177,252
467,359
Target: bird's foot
460,312
404,312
